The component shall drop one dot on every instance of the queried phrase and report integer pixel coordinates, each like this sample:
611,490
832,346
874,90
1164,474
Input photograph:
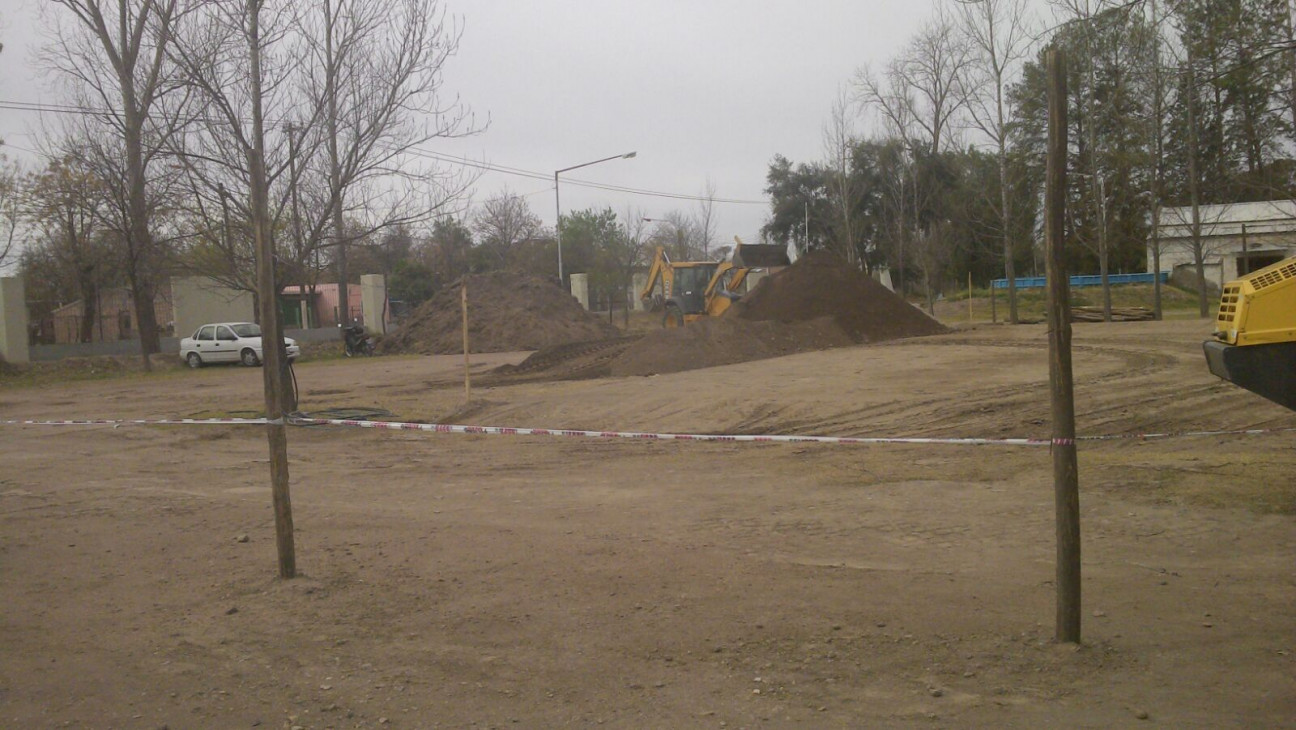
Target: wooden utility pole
1066,477
272,353
467,380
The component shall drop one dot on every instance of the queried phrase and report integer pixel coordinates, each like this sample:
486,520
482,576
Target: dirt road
480,581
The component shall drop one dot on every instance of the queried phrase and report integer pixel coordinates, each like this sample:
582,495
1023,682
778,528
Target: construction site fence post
467,378
1066,479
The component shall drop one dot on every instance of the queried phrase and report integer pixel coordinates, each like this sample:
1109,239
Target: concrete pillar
638,281
13,321
580,289
883,276
373,303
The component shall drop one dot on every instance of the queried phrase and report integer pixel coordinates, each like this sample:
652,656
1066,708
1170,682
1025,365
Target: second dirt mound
822,285
506,312
818,303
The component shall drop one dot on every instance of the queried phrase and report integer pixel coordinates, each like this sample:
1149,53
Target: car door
227,344
205,343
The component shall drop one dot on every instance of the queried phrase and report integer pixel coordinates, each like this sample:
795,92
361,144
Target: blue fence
1036,282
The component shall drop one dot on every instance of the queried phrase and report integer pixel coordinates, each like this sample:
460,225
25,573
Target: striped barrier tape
642,435
145,422
650,436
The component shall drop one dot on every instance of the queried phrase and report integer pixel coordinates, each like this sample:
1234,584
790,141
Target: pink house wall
326,302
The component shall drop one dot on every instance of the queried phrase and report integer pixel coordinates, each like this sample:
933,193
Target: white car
228,342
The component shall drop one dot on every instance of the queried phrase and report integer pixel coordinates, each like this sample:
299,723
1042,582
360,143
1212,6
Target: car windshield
246,330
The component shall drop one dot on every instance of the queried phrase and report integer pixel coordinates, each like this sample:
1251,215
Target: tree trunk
335,172
1194,191
272,376
139,241
89,308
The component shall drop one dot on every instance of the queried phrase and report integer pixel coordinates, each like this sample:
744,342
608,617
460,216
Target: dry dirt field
490,581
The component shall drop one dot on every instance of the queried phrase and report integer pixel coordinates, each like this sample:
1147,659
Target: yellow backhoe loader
686,291
1255,333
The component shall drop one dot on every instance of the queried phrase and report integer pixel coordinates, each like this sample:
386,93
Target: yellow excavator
686,291
1255,333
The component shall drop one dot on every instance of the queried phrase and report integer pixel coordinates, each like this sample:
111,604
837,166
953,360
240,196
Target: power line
429,154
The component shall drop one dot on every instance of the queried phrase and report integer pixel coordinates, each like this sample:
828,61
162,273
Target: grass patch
78,369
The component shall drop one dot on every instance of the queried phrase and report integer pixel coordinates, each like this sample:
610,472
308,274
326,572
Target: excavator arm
659,272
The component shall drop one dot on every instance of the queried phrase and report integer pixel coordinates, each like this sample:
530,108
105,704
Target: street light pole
558,205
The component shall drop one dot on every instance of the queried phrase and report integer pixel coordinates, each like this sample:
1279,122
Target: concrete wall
373,303
13,320
580,289
198,300
638,282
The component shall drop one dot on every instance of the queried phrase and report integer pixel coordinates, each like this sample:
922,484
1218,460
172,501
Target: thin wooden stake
969,297
1066,477
467,380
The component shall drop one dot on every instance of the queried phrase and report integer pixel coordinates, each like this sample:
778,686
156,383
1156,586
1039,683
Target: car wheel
194,361
249,358
673,317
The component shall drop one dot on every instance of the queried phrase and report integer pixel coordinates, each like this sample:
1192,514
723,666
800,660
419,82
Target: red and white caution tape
642,435
649,436
146,422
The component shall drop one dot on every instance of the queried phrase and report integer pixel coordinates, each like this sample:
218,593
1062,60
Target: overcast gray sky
699,88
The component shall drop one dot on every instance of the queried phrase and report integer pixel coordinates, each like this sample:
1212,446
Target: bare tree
1156,131
629,253
704,221
920,99
839,139
63,204
11,189
999,37
924,87
677,232
503,223
116,53
374,62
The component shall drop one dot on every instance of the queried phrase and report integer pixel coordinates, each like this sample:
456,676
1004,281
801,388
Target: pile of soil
506,312
822,285
817,303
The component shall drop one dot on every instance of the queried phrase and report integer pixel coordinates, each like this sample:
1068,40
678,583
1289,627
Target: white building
1237,238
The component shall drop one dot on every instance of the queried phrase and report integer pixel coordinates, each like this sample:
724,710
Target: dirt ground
490,581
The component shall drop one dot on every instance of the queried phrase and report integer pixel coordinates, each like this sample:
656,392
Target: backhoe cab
1255,333
686,291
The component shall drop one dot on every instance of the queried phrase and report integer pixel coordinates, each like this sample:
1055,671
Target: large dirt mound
822,285
818,303
506,312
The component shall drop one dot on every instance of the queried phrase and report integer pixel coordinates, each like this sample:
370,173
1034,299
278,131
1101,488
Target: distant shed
1237,238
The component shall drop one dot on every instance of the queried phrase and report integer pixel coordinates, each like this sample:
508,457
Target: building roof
1266,216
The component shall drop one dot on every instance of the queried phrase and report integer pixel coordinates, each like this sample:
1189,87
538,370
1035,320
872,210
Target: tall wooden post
1066,477
272,353
463,296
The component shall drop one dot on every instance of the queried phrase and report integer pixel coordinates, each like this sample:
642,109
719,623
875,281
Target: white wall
580,289
198,300
13,321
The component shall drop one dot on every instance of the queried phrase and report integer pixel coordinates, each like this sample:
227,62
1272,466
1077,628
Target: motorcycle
357,341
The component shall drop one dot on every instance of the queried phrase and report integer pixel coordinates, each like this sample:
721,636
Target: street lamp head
628,155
